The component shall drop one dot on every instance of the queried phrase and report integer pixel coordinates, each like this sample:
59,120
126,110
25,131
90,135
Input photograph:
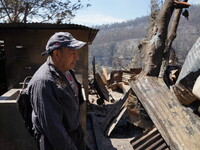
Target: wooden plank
184,95
114,122
175,112
97,132
7,101
182,117
151,110
144,136
100,87
150,139
179,127
98,83
157,95
169,113
112,116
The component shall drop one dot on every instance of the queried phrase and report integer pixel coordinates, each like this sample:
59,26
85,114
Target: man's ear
56,53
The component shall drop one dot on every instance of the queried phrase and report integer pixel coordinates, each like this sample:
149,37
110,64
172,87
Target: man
55,95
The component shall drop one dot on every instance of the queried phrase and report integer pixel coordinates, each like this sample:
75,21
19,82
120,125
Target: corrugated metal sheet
44,25
149,140
192,61
92,32
179,126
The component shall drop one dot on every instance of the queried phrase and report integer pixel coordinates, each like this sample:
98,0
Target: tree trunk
152,49
15,13
170,39
26,12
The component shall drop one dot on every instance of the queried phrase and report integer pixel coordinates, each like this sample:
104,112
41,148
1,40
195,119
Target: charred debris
129,110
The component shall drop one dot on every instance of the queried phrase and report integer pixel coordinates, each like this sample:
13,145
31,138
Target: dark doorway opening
3,85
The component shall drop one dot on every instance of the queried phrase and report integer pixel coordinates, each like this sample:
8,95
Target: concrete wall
13,134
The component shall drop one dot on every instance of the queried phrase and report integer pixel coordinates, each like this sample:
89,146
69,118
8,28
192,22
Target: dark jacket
56,108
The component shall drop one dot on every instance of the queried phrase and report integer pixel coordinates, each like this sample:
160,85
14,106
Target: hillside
116,44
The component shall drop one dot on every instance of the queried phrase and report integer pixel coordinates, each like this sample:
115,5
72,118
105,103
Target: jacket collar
58,75
55,71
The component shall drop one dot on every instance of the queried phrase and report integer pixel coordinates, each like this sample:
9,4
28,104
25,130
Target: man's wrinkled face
67,58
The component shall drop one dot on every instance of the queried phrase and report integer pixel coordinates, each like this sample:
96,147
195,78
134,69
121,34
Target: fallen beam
179,126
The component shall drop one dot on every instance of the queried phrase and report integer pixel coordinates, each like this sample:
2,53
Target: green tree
25,11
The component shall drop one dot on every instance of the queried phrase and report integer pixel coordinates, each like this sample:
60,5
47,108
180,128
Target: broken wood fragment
114,115
181,4
136,114
100,87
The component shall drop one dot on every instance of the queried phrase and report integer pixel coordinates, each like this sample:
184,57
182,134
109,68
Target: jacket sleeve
50,114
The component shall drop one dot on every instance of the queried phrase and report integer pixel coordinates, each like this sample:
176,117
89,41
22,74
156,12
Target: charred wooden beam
97,132
100,88
150,139
115,114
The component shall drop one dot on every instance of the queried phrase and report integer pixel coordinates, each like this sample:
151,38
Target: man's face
67,58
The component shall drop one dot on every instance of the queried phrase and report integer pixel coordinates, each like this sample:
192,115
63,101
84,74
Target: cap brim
75,44
44,53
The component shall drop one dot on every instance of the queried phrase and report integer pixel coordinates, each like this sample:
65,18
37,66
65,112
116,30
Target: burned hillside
105,49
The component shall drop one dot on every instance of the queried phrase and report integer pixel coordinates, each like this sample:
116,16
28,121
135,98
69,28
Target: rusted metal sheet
150,140
188,75
179,126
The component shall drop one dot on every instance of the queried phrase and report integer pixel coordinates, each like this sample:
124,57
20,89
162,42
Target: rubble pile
131,110
114,115
127,110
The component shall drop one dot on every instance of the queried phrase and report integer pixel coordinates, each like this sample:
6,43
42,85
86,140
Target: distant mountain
116,44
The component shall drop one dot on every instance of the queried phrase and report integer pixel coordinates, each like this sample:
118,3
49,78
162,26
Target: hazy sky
110,11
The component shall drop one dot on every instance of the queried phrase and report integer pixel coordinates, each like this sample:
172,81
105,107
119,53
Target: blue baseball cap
62,39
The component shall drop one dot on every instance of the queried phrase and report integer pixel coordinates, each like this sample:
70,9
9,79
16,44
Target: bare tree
159,43
39,10
170,38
